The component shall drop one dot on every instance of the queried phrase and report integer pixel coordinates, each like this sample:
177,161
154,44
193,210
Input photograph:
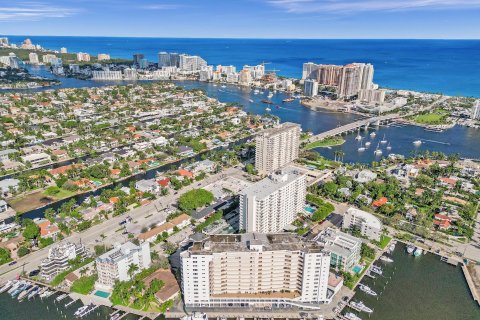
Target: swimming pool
357,269
102,294
310,210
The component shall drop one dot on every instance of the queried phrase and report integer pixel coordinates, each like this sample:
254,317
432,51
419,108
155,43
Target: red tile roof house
48,230
379,202
185,173
170,289
179,222
448,182
165,182
442,221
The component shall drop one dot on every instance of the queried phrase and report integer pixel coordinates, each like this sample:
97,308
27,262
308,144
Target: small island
328,142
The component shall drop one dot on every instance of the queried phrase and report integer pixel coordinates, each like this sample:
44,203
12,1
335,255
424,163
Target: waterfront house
8,184
185,173
147,186
170,288
442,222
37,158
48,230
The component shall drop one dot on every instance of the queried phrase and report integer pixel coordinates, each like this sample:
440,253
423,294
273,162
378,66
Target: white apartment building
310,88
369,225
273,203
115,264
372,95
191,63
349,81
226,69
58,257
256,72
309,71
130,74
245,77
344,249
107,75
33,58
47,58
103,56
277,147
248,270
82,56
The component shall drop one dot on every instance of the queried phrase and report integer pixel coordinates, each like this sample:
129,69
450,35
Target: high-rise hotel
277,147
245,270
271,204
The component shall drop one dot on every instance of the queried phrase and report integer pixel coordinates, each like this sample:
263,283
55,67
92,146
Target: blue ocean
451,67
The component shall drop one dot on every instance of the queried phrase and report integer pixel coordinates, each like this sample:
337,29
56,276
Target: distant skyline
309,19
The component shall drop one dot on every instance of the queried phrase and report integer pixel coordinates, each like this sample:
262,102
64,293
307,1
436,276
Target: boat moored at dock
386,259
360,306
367,290
351,316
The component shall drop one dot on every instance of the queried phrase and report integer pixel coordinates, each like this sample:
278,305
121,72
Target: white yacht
270,94
389,147
377,151
6,286
418,252
224,86
351,316
80,310
367,290
360,306
417,142
367,144
386,259
268,109
373,134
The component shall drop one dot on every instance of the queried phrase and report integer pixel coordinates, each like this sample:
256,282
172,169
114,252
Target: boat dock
471,284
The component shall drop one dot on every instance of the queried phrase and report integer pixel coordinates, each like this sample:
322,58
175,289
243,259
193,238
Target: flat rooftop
275,181
280,129
244,242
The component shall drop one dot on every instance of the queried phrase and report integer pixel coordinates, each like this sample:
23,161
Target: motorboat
373,134
33,293
389,147
268,109
384,140
15,286
376,269
19,289
410,249
386,259
288,100
360,306
417,142
267,101
251,101
351,316
367,290
80,310
224,86
367,144
270,94
6,286
417,252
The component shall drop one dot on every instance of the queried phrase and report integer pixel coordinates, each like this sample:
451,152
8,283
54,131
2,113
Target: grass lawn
84,285
62,194
328,142
431,118
384,241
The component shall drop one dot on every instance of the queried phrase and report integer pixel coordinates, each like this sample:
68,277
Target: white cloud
28,11
350,6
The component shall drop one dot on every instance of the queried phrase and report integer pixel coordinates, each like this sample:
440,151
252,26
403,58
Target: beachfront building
103,57
58,257
82,56
191,63
368,225
276,147
476,110
33,58
247,270
344,249
372,95
273,203
310,88
115,265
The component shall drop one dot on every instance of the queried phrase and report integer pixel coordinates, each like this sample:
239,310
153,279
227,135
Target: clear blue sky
244,18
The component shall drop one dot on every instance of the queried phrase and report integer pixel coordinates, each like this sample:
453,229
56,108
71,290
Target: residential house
147,186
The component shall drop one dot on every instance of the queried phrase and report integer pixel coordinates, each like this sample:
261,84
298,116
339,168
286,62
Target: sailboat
361,148
383,141
373,134
377,151
358,137
389,147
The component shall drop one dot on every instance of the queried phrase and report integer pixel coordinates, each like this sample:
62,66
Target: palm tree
132,268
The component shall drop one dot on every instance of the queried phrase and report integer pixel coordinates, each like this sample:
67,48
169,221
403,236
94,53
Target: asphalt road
110,229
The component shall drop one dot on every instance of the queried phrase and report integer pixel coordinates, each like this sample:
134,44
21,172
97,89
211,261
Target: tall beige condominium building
349,81
277,147
328,74
251,269
273,203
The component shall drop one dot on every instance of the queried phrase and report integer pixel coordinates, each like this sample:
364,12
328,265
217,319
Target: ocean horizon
424,65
